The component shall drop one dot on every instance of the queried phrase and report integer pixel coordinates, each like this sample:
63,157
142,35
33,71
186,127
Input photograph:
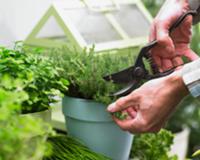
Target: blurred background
17,18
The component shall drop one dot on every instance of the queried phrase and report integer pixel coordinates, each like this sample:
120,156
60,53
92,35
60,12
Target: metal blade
121,77
128,89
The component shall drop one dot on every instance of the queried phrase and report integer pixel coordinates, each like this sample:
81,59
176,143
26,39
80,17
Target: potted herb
153,146
21,138
40,78
85,103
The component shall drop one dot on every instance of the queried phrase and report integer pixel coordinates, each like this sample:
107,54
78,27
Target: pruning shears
135,75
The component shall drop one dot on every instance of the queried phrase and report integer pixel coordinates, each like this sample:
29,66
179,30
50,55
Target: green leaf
197,153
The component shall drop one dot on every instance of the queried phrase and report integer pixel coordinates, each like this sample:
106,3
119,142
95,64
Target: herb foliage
40,77
153,146
85,70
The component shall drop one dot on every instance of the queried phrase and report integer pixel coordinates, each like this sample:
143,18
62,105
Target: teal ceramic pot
89,122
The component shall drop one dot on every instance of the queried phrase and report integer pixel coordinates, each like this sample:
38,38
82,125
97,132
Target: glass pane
51,30
132,21
93,26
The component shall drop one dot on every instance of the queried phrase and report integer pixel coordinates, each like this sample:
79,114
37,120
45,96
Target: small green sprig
120,115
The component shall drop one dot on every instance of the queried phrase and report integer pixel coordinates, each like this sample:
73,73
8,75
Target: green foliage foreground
40,77
21,137
154,146
67,148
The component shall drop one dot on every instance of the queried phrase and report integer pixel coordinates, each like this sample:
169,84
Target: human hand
171,47
149,107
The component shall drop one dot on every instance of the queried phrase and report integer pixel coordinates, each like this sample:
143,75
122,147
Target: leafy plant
67,148
195,39
85,70
21,137
153,146
39,75
196,154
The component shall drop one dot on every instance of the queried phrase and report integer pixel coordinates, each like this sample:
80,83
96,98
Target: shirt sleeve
194,5
191,77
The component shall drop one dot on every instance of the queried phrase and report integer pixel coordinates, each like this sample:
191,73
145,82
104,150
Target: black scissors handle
181,19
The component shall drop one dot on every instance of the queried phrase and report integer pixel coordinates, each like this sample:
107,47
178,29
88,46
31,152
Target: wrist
177,83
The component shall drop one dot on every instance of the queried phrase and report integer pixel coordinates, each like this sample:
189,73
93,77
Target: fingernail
111,107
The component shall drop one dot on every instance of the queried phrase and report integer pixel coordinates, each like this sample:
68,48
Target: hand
149,107
171,48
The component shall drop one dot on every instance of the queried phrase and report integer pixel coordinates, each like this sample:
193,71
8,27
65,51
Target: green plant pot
89,122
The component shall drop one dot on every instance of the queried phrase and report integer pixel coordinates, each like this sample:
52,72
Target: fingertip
111,108
177,61
132,112
166,64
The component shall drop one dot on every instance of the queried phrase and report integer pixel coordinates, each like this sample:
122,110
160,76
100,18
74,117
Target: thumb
152,35
164,40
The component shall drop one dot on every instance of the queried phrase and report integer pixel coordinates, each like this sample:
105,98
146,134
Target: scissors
135,75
